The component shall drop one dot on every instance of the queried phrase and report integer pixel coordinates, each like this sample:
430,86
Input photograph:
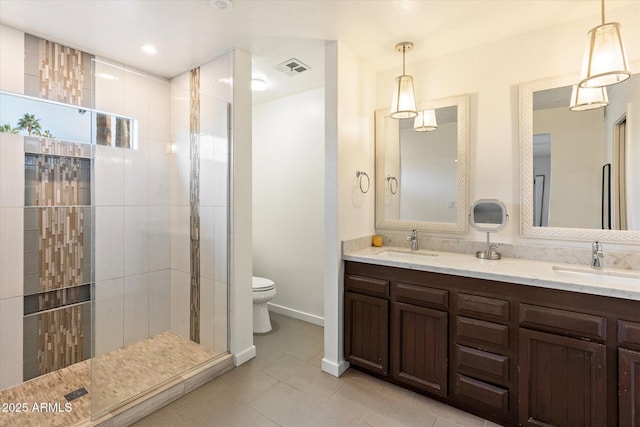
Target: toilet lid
262,284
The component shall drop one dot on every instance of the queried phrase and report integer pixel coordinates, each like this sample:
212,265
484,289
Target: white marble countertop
610,282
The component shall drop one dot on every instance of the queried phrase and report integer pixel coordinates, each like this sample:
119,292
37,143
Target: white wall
288,201
12,63
131,197
11,218
491,75
214,97
11,259
241,302
349,110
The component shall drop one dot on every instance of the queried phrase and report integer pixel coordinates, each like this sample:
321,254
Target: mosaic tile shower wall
58,240
194,189
57,72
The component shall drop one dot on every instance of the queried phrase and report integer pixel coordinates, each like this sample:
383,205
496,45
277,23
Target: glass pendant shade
425,121
605,60
588,98
403,105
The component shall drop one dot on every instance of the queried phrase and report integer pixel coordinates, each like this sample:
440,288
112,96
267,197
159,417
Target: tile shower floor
121,374
284,386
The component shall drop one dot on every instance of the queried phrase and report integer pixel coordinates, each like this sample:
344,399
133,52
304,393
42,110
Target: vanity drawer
481,333
487,394
476,305
420,295
563,322
629,334
489,366
367,286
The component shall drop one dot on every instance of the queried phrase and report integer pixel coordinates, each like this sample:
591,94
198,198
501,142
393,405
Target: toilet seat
262,284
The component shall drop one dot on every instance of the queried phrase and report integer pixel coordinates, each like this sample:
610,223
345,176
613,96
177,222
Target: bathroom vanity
514,341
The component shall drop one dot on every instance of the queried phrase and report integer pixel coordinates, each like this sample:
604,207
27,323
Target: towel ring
359,175
391,180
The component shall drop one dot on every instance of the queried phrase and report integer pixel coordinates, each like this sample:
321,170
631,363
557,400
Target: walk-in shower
113,235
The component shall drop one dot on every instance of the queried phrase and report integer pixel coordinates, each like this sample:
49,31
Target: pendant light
605,60
425,121
403,105
588,98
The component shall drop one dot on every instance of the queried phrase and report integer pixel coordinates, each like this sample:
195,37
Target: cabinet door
629,387
366,332
562,381
419,347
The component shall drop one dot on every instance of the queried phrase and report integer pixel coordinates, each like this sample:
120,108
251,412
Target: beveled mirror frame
462,190
527,229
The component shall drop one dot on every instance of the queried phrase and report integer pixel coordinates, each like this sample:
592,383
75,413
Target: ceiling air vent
292,67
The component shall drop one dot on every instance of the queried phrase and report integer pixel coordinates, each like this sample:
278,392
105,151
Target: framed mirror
422,177
580,170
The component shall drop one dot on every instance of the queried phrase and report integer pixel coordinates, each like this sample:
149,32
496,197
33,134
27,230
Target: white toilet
263,290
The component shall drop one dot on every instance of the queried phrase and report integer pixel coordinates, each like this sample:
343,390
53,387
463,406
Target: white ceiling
188,33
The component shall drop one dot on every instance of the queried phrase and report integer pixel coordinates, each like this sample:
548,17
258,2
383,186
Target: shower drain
76,394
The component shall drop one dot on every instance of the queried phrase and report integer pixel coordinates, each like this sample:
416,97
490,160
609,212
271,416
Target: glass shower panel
154,326
214,217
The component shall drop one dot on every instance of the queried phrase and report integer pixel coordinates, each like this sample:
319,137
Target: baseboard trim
334,369
296,314
244,356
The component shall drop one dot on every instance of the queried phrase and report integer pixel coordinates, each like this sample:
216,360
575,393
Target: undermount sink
400,254
604,277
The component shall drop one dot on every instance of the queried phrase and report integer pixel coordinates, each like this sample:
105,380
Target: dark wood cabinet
629,387
366,322
562,381
483,339
629,373
513,354
419,347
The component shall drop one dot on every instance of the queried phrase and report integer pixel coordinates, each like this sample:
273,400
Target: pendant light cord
602,12
404,48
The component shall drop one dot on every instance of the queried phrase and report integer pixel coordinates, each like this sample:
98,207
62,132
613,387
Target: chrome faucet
413,238
597,256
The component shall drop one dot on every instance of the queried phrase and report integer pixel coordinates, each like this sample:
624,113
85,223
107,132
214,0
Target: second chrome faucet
597,256
413,238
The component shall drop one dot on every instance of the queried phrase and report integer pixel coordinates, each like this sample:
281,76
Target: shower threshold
129,383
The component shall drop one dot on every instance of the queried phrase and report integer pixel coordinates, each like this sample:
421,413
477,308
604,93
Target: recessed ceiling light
149,49
221,4
258,85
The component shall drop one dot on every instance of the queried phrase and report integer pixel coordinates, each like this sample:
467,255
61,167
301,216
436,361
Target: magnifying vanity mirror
580,170
421,177
490,216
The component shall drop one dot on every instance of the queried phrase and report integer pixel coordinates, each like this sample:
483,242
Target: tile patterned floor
284,386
